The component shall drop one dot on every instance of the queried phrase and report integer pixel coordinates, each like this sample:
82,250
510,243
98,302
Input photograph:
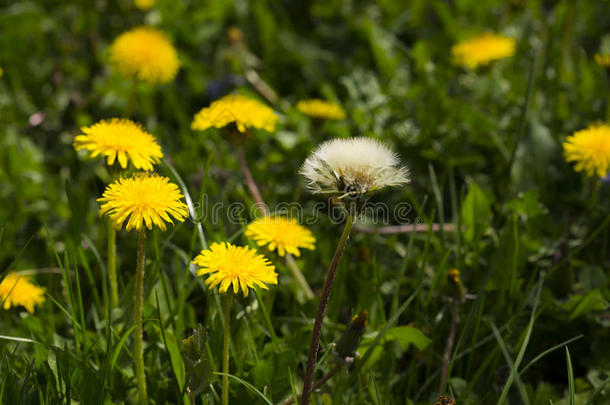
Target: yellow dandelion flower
122,140
146,54
280,233
17,290
236,109
146,199
321,109
482,49
454,275
590,149
603,59
144,4
239,266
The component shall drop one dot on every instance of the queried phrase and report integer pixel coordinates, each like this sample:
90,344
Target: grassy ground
530,235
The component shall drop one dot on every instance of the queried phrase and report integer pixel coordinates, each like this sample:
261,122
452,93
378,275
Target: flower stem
114,288
449,346
318,383
225,349
317,327
138,351
252,187
594,201
254,191
292,265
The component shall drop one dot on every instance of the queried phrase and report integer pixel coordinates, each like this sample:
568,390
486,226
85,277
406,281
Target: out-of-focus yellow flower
17,290
122,140
237,266
236,109
482,49
146,54
603,59
235,35
280,233
144,4
454,275
590,149
146,199
444,400
317,108
1,72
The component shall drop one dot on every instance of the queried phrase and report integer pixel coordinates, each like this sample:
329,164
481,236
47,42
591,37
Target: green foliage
530,235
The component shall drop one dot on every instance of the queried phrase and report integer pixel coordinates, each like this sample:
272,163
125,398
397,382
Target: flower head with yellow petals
17,290
321,109
280,233
122,140
146,199
146,54
590,149
603,59
237,266
236,109
482,49
144,4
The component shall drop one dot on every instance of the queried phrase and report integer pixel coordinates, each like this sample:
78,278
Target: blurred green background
483,146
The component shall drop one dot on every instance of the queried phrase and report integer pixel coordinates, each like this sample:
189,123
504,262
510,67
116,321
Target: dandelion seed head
122,140
239,267
590,150
143,200
18,290
146,54
236,109
352,166
282,234
482,49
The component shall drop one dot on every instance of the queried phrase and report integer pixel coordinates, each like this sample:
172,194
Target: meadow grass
526,321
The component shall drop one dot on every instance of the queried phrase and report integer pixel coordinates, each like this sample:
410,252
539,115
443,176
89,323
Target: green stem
131,101
225,349
317,327
112,278
594,202
309,295
138,354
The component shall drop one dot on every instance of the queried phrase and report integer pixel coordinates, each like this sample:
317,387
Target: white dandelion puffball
353,166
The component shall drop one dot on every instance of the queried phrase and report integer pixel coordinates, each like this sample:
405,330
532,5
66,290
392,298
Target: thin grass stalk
225,349
138,354
292,266
317,327
112,277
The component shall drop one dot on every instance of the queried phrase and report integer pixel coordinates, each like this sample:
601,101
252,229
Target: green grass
484,148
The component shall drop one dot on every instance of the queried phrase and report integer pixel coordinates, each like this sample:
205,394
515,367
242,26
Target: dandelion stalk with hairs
233,268
121,141
238,114
347,169
144,201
